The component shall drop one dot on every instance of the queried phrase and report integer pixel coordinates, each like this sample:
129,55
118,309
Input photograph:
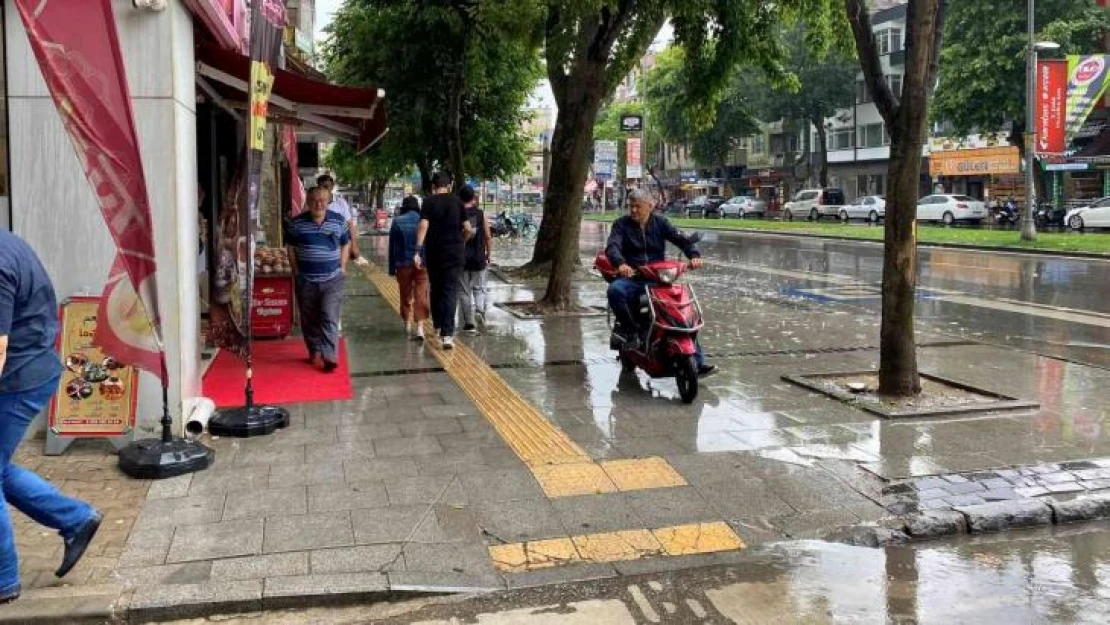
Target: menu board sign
96,396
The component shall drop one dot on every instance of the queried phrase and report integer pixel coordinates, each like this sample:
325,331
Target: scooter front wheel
686,376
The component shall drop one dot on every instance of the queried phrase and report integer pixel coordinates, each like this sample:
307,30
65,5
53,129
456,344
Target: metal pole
1028,228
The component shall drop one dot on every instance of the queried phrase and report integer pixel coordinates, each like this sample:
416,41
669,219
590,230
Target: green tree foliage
591,45
711,138
456,73
982,65
820,82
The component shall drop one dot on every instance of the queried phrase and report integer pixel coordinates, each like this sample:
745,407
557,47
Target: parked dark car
713,206
676,208
705,206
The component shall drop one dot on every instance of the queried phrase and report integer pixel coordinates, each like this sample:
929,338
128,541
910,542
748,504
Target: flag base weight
157,459
248,421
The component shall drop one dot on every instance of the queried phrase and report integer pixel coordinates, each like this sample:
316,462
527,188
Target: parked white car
1094,215
813,204
742,206
869,207
949,209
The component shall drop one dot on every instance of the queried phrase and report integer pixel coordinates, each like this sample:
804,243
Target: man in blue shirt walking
319,242
29,376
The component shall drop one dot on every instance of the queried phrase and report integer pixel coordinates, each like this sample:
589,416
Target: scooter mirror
695,237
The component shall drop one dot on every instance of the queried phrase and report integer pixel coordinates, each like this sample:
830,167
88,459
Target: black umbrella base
247,422
154,459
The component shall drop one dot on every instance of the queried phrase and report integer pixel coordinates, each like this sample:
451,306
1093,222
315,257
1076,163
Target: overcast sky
540,97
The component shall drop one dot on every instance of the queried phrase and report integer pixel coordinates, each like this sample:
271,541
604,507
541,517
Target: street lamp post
1028,227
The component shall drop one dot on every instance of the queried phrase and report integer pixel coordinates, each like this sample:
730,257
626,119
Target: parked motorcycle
670,319
502,226
1006,213
1048,215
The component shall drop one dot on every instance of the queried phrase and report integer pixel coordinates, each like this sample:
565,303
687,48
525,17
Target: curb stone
1081,509
1003,515
935,524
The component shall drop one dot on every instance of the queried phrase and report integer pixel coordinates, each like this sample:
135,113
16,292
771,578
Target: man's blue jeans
623,294
23,489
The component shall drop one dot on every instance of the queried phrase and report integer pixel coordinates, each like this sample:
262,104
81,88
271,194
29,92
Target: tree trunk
897,354
379,196
1017,138
822,151
557,241
425,178
454,111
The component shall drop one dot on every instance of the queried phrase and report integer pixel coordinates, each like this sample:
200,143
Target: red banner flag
77,49
1052,83
296,187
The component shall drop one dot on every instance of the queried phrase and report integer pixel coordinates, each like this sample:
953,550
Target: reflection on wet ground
1043,576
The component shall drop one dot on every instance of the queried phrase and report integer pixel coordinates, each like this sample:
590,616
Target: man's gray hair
641,196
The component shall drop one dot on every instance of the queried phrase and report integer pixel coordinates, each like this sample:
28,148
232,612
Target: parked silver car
869,207
742,206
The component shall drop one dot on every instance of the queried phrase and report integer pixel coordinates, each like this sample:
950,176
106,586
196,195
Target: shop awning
355,114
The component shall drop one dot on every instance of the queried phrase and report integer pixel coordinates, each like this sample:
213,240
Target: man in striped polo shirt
319,244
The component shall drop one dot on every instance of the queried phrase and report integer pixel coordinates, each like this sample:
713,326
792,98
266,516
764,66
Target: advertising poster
1052,80
1086,85
97,394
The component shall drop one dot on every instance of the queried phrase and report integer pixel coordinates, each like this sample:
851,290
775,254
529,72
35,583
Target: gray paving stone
501,458
306,474
965,500
461,408
259,567
406,446
567,574
340,497
671,506
364,559
467,461
1096,484
931,493
999,494
308,436
444,581
956,479
472,559
744,498
517,521
183,573
431,427
395,524
378,469
231,479
192,510
1003,515
264,503
308,531
170,488
1055,478
1031,491
931,482
342,452
366,434
195,600
298,591
589,514
428,489
1064,487
814,524
964,488
996,483
30,608
147,547
216,540
262,457
500,485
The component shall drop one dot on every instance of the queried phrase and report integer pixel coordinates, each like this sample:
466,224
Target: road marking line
615,546
696,608
641,601
562,468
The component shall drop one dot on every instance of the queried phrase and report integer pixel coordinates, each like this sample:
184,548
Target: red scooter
672,315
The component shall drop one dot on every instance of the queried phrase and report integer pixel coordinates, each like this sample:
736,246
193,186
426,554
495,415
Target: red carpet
281,376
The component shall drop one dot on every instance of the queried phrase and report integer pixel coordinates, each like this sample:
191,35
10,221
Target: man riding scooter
635,240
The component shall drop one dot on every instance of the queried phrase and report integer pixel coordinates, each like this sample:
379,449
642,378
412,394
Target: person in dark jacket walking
412,281
472,288
441,247
30,372
635,240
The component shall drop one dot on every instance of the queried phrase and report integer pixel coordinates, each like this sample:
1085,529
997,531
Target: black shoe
470,328
11,595
705,371
330,366
75,546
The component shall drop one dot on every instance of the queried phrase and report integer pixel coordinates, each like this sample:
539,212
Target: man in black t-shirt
440,246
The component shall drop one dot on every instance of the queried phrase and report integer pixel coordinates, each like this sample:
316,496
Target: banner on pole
633,160
1087,83
1052,81
605,158
77,49
267,25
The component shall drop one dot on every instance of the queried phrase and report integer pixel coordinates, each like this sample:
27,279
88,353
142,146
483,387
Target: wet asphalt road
1055,306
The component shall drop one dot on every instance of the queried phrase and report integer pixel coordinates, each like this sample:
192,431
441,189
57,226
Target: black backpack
476,246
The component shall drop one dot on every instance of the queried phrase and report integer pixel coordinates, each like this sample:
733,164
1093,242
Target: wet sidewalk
525,458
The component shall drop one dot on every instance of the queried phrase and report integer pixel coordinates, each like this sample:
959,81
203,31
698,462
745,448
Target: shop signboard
605,159
97,394
1087,83
1052,78
632,123
272,314
981,162
1066,167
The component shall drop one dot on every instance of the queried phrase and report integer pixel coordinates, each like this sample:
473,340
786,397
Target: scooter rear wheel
686,376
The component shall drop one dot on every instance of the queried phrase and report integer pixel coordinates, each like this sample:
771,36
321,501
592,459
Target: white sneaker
447,342
408,327
419,334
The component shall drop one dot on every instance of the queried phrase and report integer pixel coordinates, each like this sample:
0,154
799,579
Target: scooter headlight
668,276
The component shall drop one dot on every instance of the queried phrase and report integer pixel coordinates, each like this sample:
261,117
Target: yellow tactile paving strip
676,540
561,467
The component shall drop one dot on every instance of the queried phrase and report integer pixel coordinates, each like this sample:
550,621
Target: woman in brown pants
412,282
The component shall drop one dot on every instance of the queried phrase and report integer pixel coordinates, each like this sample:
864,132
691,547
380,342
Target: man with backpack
472,286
